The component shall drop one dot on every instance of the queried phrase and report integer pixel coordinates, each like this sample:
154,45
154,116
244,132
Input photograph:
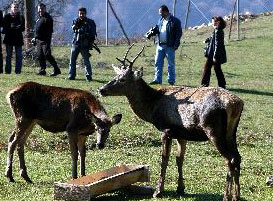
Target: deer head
103,129
126,77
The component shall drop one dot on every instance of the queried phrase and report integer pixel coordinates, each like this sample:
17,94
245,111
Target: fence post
187,14
106,23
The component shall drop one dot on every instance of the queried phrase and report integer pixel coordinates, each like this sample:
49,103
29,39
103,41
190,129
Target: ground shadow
194,196
263,93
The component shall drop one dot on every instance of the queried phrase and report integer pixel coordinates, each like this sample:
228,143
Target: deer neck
142,100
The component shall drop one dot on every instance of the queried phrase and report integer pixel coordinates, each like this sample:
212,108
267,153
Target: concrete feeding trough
119,177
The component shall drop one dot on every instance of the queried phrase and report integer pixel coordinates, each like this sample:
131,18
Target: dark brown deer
56,109
183,113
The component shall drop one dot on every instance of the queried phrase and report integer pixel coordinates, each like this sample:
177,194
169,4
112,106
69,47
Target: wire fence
138,16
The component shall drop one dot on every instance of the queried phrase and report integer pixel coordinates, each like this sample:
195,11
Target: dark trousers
218,71
18,56
44,53
1,56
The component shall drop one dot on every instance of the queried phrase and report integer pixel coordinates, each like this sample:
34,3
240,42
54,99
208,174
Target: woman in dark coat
14,25
216,54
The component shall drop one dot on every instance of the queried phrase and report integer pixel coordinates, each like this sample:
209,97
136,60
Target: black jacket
86,33
1,19
44,28
13,26
1,25
216,47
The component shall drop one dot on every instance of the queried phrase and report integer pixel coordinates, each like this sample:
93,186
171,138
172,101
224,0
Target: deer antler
134,59
125,56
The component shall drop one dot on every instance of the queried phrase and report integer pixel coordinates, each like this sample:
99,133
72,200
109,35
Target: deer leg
181,148
220,141
21,154
235,162
74,153
166,149
17,134
11,147
82,150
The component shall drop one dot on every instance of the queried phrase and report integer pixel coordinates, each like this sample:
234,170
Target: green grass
249,75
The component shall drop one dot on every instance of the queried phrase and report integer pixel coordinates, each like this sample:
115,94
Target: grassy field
249,74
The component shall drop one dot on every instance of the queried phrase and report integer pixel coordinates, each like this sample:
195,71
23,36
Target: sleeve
177,32
219,42
22,23
50,25
1,18
6,24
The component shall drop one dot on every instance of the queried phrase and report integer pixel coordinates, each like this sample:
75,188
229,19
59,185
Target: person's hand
75,27
214,60
33,41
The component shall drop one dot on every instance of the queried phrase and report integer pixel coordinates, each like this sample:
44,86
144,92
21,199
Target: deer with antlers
183,113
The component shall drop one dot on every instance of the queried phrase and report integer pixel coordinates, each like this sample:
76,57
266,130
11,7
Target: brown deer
56,109
183,113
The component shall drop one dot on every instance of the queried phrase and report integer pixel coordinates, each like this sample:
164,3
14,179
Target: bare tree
29,21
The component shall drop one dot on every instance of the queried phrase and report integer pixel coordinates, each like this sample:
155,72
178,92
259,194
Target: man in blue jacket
168,41
84,36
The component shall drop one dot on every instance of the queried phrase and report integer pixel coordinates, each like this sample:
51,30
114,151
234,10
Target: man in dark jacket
43,35
1,55
84,36
14,25
168,41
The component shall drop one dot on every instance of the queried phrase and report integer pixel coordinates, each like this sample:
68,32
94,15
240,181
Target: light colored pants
163,51
75,50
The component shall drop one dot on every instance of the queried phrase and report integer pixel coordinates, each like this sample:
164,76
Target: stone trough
119,177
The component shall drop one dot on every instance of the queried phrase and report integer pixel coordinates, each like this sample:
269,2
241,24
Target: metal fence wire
138,16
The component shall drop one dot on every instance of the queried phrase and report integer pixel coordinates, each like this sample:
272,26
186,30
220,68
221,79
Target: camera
152,32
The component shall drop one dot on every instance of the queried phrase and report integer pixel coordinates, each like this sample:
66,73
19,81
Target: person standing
84,36
13,26
168,41
1,55
43,35
216,54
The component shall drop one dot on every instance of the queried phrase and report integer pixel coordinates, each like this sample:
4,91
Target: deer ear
116,69
138,73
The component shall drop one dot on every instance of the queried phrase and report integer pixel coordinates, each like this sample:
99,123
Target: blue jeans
75,50
163,51
19,58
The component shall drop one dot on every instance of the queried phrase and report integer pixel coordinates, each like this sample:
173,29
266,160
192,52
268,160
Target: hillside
249,74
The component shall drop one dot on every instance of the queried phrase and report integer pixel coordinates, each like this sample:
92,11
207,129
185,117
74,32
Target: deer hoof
26,177
226,198
235,198
157,194
10,179
180,191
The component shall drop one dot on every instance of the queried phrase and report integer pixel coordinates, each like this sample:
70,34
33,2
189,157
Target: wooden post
187,14
238,20
231,20
116,16
106,24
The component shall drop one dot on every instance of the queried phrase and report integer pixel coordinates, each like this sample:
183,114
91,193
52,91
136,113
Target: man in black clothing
43,34
1,55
